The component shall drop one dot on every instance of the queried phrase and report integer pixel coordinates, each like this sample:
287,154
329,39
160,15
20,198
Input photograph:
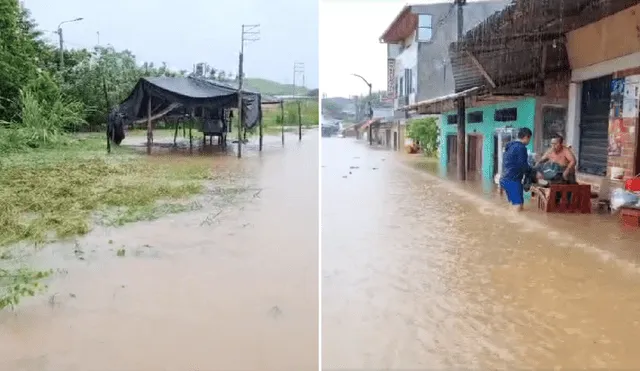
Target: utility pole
298,68
462,163
370,106
250,32
61,40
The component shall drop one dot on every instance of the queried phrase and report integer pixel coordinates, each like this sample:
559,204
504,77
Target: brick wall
629,133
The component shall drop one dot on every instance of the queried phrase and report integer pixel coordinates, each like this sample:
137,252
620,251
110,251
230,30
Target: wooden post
193,117
149,128
299,122
462,166
282,122
175,135
260,133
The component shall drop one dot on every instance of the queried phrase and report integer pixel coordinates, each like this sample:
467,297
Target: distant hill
270,87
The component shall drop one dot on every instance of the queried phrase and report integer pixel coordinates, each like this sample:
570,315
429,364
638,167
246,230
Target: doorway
452,149
594,126
395,140
474,154
387,138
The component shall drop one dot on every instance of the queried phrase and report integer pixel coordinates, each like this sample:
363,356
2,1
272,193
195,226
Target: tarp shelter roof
266,99
190,92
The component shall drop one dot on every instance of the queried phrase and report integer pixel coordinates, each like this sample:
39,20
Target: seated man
558,164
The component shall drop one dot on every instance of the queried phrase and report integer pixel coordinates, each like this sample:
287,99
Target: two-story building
419,66
568,68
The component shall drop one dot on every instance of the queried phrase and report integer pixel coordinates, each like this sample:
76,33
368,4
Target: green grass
55,193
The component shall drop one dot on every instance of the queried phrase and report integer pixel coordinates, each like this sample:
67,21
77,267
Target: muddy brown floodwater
228,289
420,274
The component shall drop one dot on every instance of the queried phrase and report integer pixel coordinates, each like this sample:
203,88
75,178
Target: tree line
40,100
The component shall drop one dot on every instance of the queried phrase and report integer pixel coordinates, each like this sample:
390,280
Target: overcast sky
185,32
350,30
349,43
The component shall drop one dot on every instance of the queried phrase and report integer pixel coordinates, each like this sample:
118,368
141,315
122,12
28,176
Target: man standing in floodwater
515,165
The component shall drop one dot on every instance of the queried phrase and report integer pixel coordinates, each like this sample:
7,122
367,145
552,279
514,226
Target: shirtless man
561,155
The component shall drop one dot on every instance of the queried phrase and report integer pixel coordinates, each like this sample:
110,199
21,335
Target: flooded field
229,286
419,273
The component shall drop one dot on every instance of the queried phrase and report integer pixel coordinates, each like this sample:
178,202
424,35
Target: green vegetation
425,132
54,184
309,112
59,190
269,87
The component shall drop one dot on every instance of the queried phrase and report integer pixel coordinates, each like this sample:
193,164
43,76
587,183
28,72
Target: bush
425,131
43,120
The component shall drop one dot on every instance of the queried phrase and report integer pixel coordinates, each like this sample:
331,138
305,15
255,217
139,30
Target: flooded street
231,287
418,273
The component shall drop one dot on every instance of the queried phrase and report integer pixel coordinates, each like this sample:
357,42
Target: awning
440,104
370,122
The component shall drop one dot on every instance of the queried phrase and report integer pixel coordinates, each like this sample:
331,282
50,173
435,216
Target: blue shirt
515,161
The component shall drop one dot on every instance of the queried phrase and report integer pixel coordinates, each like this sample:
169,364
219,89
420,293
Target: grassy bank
60,192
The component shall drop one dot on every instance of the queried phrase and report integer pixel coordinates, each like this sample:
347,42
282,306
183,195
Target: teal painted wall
526,118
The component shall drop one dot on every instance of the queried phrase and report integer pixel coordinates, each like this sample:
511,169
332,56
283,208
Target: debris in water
374,168
110,242
275,311
354,167
121,252
72,295
350,173
344,176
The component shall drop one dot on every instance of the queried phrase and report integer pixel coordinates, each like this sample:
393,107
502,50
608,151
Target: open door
474,154
452,149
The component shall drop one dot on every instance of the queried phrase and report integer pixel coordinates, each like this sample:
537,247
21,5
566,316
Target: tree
424,131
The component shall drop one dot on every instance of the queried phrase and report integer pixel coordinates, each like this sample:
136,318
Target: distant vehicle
330,128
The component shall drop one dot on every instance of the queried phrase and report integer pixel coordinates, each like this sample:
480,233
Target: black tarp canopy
167,93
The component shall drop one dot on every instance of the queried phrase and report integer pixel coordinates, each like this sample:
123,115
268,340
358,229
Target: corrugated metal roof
508,44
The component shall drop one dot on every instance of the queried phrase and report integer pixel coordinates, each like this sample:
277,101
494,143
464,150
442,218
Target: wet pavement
421,273
226,287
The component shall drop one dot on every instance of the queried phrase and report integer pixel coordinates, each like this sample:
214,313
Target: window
408,78
452,119
507,114
554,121
425,30
475,117
400,87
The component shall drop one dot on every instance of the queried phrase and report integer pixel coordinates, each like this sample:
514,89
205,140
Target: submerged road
417,274
232,288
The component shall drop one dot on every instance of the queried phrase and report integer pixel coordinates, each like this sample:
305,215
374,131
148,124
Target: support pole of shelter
462,165
282,120
175,135
193,117
370,133
240,100
299,122
149,128
260,133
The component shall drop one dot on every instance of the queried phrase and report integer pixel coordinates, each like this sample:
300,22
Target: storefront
602,122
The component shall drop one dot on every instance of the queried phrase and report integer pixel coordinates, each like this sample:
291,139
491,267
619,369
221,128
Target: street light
370,105
59,32
370,87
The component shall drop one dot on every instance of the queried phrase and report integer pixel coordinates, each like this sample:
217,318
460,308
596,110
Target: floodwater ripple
417,276
238,293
